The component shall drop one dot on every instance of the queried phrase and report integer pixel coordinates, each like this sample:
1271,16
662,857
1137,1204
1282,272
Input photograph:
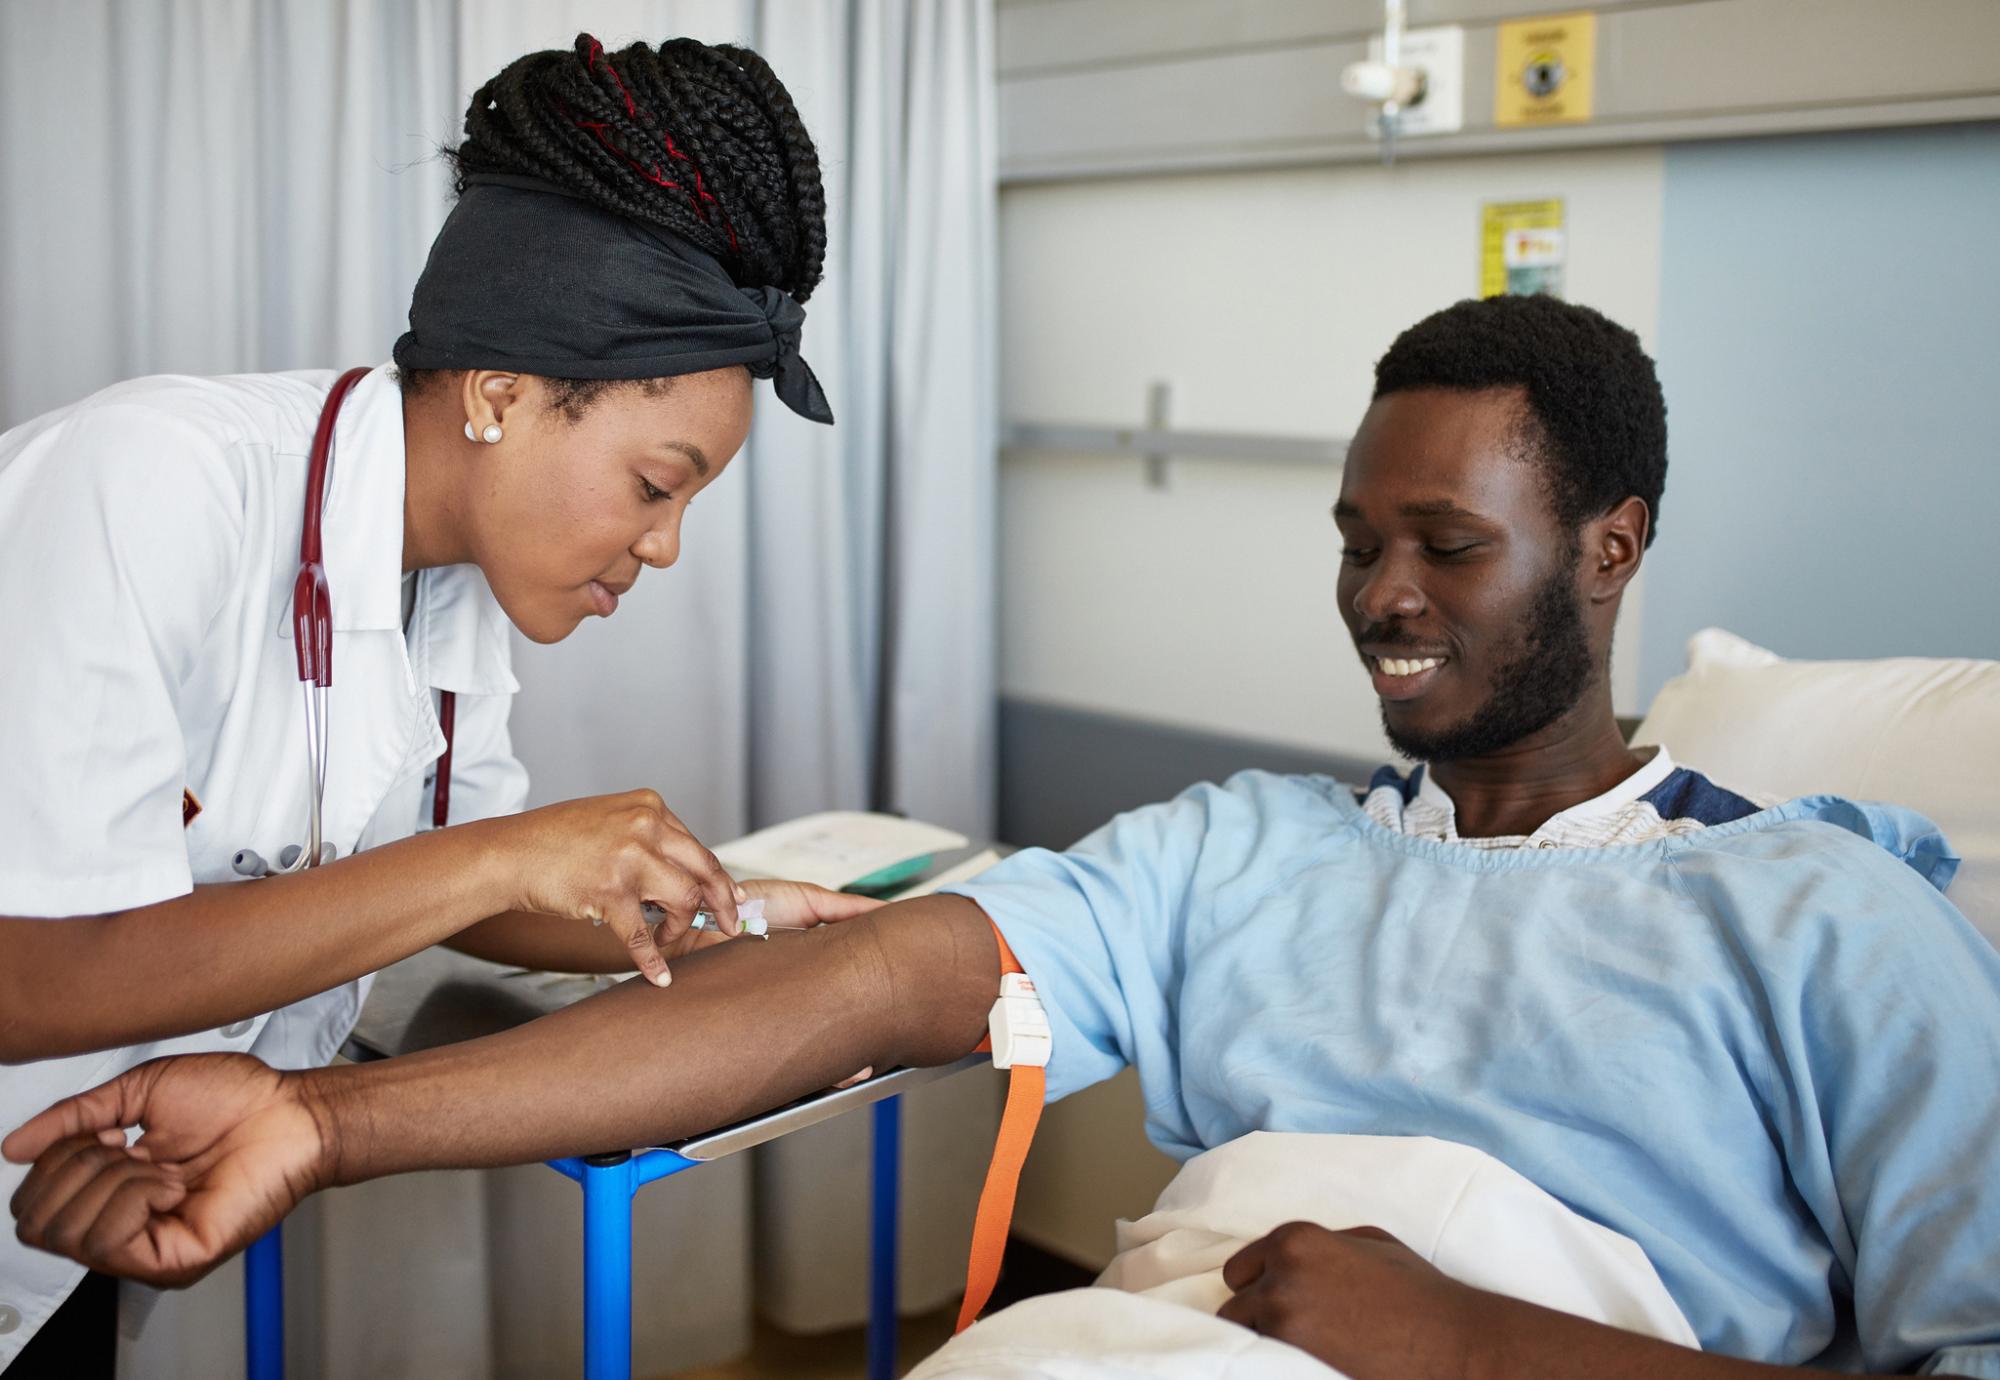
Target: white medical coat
148,544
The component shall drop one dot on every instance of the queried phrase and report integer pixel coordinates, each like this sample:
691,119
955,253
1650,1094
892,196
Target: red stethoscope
312,635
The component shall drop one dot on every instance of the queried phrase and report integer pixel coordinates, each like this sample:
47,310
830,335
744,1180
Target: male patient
1758,1043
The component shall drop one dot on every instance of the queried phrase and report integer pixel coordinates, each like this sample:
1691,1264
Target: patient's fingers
1244,1268
53,1178
1245,1308
84,1214
69,1188
138,1201
831,907
801,905
109,1107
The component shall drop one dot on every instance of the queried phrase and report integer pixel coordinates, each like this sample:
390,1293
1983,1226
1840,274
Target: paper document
835,849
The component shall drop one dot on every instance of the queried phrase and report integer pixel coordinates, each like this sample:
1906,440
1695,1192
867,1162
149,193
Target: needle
750,914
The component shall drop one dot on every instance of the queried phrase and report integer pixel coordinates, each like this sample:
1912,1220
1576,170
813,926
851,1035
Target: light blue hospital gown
1767,1050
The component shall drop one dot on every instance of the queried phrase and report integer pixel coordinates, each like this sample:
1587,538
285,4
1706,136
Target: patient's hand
801,905
1359,1300
230,1146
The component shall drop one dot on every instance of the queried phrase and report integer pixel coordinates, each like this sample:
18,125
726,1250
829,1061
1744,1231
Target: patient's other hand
1359,1300
230,1146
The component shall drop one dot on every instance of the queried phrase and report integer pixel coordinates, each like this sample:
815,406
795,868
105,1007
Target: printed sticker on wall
1546,70
1522,248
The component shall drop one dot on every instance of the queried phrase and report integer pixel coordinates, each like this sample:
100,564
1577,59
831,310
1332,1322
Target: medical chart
835,849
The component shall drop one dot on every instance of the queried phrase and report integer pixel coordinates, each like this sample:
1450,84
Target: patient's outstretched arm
230,1146
745,1027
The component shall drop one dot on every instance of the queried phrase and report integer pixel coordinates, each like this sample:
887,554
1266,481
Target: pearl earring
469,434
492,434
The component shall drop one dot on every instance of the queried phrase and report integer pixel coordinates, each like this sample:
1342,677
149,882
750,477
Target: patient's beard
1539,686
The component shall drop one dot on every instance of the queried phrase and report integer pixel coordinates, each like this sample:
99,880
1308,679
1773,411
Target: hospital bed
1919,731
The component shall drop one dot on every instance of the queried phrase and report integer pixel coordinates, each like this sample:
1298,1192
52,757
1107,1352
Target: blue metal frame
609,1182
884,1197
264,1307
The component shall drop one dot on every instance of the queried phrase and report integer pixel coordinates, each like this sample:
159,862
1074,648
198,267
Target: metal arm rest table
440,997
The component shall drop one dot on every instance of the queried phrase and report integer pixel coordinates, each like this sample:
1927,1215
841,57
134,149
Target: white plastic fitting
1018,1024
1382,83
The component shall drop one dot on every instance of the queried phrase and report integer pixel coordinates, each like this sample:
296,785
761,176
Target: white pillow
1913,731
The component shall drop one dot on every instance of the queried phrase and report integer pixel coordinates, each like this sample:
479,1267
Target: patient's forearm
746,1026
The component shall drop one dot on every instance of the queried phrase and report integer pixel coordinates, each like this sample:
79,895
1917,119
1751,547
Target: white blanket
1151,1314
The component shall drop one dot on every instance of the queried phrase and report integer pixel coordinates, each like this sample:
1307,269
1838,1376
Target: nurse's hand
604,858
230,1146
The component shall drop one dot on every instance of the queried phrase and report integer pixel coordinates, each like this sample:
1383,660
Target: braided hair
701,140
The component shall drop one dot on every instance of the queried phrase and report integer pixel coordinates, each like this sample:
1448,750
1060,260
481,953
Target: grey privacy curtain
209,186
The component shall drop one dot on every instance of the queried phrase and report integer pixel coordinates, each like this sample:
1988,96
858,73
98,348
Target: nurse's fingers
673,900
704,884
628,920
681,882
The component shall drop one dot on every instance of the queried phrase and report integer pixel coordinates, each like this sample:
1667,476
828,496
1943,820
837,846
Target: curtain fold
213,186
912,209
943,391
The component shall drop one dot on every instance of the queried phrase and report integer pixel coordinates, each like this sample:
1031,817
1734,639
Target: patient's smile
1404,678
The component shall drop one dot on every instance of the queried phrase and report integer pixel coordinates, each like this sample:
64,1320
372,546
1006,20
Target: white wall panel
1264,299
1101,87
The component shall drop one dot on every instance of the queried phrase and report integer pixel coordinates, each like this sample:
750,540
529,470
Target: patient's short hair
1597,418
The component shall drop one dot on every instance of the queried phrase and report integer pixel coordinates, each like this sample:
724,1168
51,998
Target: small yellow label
1546,70
1522,249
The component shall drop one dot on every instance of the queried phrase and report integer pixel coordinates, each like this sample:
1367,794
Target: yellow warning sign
1522,248
1546,70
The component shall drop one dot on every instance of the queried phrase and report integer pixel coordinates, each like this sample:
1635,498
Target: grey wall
1830,346
1064,771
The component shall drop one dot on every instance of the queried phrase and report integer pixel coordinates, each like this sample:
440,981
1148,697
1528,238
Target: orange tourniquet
1026,1087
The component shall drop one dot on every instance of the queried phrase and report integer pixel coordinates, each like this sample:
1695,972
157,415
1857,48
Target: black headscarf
529,277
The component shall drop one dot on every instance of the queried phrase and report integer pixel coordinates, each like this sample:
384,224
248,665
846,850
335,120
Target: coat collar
363,524
465,631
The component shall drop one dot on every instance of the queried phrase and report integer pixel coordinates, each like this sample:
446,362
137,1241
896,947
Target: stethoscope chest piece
248,862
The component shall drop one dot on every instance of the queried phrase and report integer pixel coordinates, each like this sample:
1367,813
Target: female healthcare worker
633,235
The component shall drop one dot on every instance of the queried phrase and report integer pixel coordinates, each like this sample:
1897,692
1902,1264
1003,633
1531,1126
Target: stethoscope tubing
312,633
